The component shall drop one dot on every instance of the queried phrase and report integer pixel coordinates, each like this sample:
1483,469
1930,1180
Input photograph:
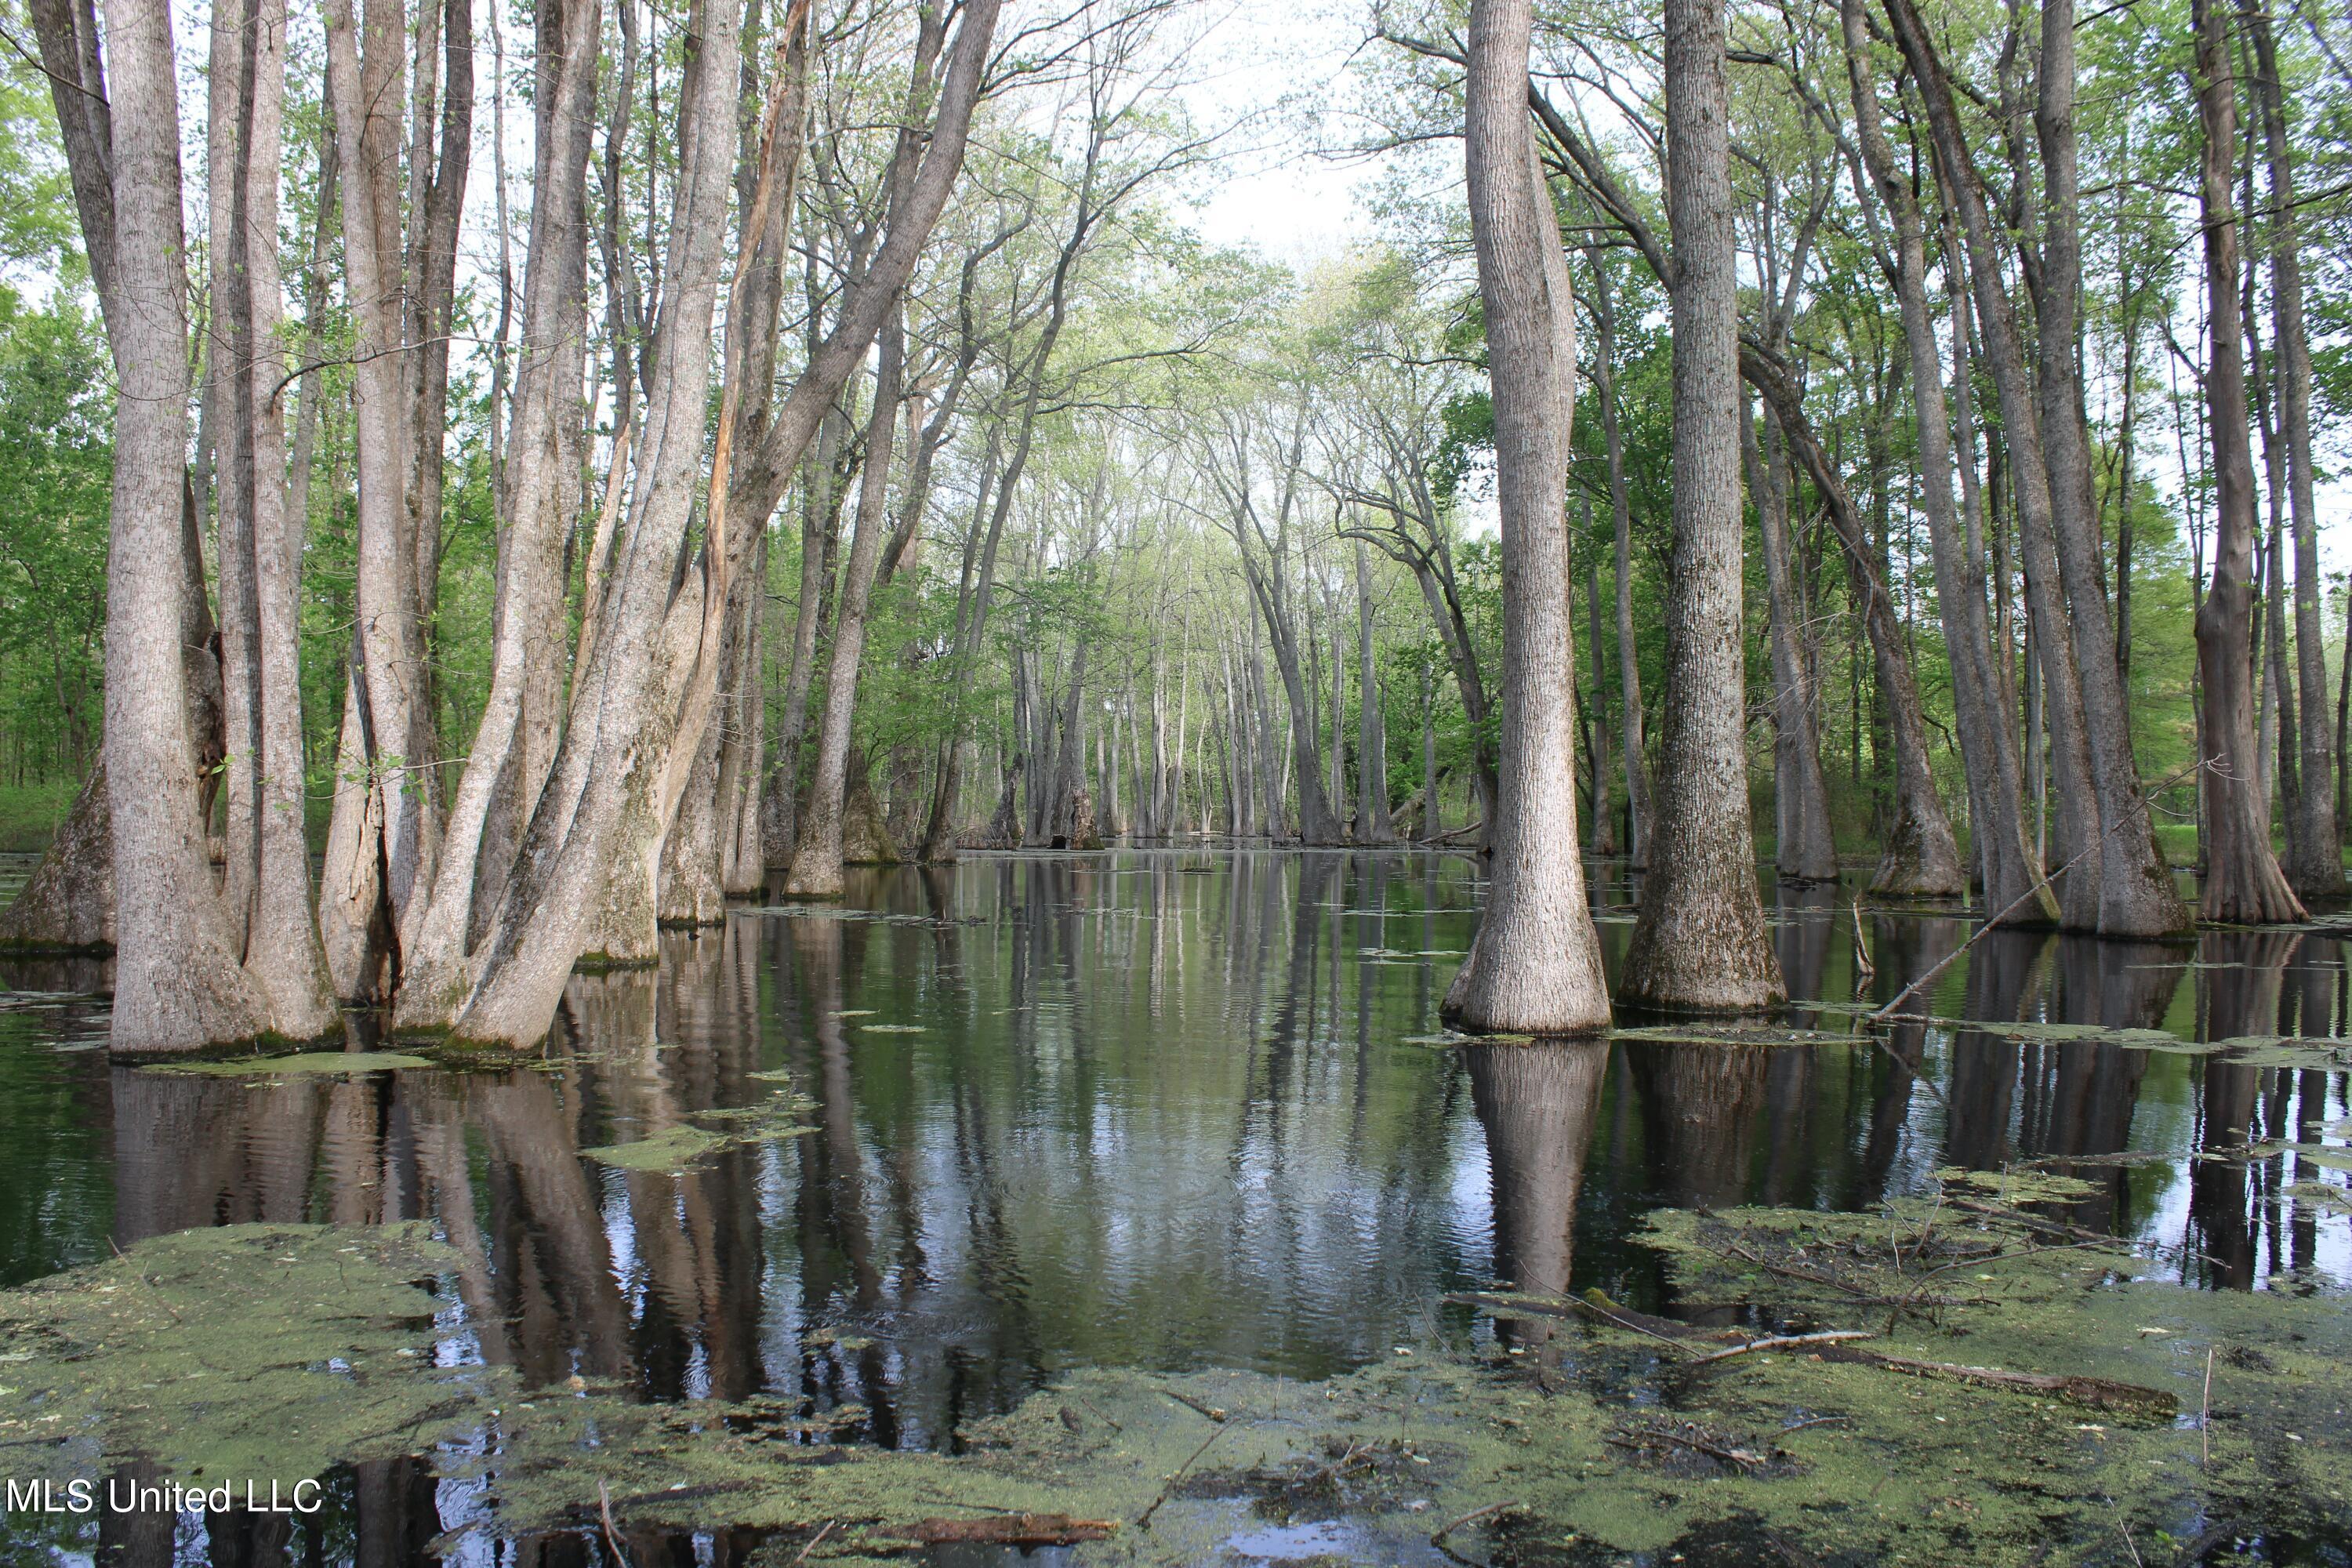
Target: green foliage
56,467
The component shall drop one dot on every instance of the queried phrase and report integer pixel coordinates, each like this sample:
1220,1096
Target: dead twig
1211,1411
1625,1438
1144,1519
611,1536
2205,1415
825,1530
1472,1517
1779,1341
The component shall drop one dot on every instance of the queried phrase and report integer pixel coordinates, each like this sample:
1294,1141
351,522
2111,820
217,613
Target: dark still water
1170,1111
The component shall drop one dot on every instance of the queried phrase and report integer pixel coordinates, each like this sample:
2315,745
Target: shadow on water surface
1149,1110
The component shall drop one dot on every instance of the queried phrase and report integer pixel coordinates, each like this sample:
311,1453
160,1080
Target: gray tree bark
586,874
2316,865
177,980
1535,965
2086,812
282,950
1804,849
1699,941
2243,883
382,840
1638,809
2005,866
2136,893
815,869
515,739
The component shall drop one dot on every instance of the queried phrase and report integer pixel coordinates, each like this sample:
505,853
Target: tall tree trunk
68,902
2316,869
1600,831
2137,898
1638,808
2243,883
1699,941
2005,866
381,842
2086,812
227,433
1316,823
283,952
585,880
515,739
1804,849
1920,859
816,869
587,871
177,980
820,520
1535,965
1373,825
436,200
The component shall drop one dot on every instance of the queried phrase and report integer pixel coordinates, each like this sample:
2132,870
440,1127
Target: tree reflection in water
1155,1110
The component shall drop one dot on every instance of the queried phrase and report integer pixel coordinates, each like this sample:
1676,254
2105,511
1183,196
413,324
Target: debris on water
1973,1429
303,1062
682,1145
261,1351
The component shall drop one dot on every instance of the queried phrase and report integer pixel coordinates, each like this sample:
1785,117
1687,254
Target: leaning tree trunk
586,879
2243,883
1316,823
1535,965
1699,941
379,865
1804,849
177,981
2315,866
2082,826
815,869
2137,898
521,719
2011,881
585,876
1920,859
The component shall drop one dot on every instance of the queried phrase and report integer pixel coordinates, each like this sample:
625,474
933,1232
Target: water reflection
1160,1110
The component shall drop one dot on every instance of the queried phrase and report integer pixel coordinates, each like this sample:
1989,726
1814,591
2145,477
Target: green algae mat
1964,1377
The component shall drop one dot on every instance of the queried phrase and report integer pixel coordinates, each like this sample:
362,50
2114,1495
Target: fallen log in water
1830,1344
1021,1529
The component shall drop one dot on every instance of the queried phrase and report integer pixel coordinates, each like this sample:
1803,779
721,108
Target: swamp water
1135,1208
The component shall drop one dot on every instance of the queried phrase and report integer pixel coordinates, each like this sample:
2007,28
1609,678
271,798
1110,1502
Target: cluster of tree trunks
629,778
563,837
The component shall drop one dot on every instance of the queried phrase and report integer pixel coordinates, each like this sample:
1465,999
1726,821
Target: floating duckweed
311,1062
263,1352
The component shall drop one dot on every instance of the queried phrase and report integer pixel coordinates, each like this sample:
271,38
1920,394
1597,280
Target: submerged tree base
1954,1378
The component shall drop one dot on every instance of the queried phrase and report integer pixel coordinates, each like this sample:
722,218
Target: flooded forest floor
1134,1209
